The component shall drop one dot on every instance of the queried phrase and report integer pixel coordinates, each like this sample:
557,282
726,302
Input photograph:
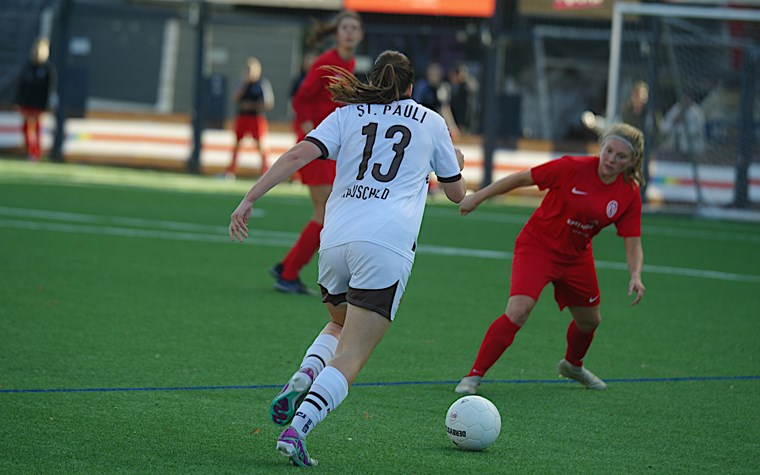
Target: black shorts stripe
376,300
334,299
317,357
321,146
313,403
450,179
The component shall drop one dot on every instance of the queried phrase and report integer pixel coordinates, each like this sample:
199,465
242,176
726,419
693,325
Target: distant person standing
684,128
463,90
33,96
633,111
311,104
434,93
254,97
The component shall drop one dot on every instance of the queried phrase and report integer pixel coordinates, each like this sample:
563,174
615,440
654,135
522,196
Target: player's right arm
455,191
504,185
299,155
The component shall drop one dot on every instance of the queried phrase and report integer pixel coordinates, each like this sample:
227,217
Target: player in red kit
253,97
32,96
585,194
312,103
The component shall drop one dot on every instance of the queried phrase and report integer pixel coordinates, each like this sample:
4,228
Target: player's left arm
268,102
634,256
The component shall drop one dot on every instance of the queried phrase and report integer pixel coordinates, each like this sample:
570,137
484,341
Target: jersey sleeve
629,224
444,163
551,173
327,135
310,86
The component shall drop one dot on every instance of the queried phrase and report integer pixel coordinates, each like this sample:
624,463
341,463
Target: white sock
329,389
319,354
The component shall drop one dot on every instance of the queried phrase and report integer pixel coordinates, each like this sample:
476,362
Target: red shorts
30,111
254,125
318,172
575,282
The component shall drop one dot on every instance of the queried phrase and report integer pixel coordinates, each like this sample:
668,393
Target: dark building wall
229,45
119,48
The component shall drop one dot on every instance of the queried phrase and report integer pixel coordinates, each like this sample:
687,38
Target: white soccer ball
473,423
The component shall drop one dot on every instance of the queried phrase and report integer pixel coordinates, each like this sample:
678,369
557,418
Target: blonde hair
253,69
634,138
254,61
41,45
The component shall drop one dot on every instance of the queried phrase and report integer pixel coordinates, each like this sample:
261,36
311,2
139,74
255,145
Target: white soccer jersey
384,154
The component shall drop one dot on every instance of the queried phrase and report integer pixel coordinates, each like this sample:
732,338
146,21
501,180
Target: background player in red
32,96
254,97
585,195
312,103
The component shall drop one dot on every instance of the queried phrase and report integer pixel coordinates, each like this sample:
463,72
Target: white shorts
365,275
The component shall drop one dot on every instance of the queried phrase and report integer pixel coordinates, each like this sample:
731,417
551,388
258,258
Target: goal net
686,76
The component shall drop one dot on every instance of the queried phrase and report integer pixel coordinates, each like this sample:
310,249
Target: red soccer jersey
578,205
313,102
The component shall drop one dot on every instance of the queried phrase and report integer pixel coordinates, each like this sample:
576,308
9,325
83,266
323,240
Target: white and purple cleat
294,447
283,407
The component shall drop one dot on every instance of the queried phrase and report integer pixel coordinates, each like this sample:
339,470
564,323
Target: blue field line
391,383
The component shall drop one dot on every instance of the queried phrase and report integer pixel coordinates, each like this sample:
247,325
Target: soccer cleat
468,385
294,447
284,406
230,173
276,271
293,287
580,374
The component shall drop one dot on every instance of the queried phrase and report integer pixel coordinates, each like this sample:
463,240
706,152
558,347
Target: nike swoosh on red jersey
576,191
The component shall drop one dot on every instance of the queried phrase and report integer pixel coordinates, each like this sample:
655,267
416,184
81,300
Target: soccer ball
473,423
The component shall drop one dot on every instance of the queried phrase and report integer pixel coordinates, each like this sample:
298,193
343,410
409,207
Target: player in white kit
385,145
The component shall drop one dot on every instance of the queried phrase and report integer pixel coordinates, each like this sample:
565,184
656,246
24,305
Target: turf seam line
390,383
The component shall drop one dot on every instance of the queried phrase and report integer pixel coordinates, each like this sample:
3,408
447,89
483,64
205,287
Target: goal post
702,116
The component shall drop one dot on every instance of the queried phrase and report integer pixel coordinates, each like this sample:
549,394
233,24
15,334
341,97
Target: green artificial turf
135,338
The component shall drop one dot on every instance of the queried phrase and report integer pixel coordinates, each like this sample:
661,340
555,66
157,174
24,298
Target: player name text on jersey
409,110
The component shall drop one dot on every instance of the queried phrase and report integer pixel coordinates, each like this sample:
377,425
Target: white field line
203,233
646,230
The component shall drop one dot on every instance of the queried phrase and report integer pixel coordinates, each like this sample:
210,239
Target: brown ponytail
390,78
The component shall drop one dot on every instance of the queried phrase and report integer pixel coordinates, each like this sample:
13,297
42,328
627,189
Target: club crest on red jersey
612,208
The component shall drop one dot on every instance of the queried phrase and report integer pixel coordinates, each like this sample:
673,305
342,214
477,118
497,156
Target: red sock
578,343
499,336
232,168
300,254
27,128
36,140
